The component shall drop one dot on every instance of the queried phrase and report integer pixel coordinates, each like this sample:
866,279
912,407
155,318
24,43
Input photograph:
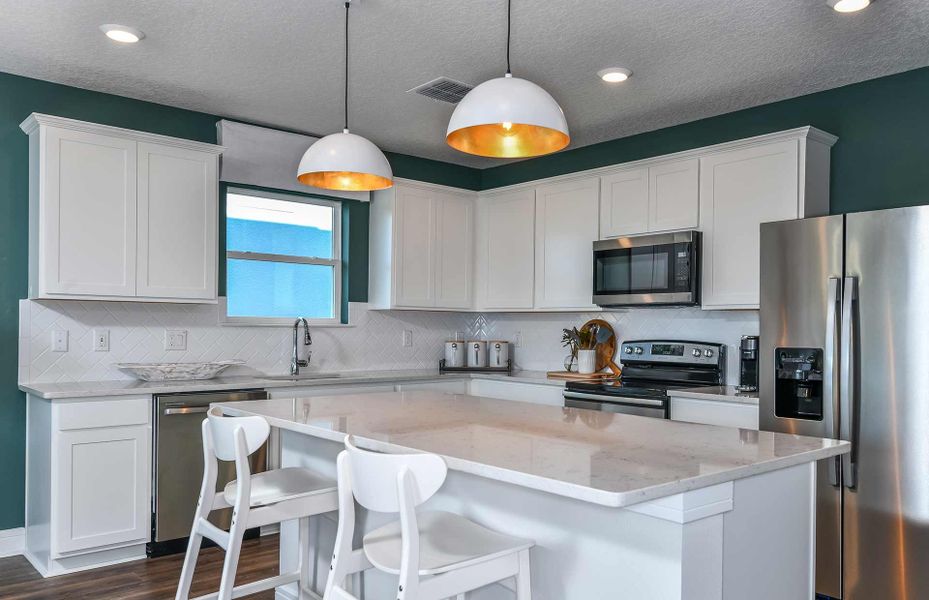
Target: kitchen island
621,507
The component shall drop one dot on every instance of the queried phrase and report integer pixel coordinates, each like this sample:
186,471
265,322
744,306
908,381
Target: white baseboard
12,541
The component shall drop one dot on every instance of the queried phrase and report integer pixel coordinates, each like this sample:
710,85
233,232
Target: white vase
586,361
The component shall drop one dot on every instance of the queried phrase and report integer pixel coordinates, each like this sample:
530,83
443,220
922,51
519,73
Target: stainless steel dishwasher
178,465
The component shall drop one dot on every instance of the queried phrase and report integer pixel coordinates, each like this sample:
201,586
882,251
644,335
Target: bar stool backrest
223,430
375,477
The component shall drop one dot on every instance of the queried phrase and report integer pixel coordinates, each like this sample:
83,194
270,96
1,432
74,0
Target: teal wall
20,96
880,160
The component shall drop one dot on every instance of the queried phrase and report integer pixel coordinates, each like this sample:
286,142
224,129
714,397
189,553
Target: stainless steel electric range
649,369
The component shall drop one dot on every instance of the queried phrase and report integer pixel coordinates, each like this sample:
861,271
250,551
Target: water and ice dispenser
798,389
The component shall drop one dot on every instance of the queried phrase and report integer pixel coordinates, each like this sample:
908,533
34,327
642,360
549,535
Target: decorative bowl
178,371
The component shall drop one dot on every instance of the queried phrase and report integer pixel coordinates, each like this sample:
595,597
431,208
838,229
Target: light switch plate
518,339
407,338
175,339
101,340
60,340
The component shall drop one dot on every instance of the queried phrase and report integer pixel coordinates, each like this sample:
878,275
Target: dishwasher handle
185,410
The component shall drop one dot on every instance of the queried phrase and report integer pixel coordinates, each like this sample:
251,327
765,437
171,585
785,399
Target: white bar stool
256,500
436,554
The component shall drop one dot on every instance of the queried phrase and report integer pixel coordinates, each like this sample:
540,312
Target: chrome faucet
295,362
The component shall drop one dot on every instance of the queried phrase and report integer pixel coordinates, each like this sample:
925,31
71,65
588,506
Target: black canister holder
507,370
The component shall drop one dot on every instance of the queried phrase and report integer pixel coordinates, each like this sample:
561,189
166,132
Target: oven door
648,269
643,407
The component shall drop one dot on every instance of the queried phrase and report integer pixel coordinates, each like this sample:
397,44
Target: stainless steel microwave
659,269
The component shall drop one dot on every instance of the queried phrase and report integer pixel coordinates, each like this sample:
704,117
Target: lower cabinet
714,412
550,395
89,472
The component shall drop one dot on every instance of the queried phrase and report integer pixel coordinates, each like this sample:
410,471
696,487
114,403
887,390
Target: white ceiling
278,62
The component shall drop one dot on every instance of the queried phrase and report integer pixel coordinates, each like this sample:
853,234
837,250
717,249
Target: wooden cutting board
607,350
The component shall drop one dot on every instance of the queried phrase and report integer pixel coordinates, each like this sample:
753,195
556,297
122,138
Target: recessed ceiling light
614,74
847,6
121,33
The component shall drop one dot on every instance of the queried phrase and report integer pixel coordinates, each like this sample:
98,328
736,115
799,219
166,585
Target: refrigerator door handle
830,379
848,411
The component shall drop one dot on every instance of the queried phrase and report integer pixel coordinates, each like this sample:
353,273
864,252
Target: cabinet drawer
711,412
93,413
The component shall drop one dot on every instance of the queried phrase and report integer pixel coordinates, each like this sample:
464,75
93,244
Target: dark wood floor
154,579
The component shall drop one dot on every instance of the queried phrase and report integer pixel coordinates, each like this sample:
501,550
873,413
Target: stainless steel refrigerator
845,353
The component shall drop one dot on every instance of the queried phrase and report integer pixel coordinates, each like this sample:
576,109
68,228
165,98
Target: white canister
586,361
477,353
498,352
455,353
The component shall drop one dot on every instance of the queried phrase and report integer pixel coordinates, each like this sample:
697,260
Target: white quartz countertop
129,387
721,393
599,457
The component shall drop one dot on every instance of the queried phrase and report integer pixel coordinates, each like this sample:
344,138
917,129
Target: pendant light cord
509,5
347,3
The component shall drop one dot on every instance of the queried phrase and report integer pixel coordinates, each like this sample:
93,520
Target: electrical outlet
60,340
175,339
517,339
101,340
407,338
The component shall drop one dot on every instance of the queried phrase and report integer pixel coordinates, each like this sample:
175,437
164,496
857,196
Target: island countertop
604,458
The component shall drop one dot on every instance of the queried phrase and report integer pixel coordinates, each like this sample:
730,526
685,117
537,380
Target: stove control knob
696,353
627,349
708,353
638,350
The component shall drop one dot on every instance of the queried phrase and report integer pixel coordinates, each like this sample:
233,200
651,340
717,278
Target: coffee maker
748,364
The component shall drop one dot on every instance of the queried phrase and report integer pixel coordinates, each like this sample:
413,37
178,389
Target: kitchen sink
300,377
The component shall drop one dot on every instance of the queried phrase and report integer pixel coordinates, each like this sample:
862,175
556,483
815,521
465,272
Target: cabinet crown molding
33,121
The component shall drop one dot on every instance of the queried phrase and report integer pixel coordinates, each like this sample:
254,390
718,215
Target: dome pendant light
345,161
508,117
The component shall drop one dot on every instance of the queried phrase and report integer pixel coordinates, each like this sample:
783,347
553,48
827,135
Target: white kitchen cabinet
421,247
624,203
117,214
506,250
103,487
566,225
88,481
714,412
177,212
744,187
658,197
535,393
673,195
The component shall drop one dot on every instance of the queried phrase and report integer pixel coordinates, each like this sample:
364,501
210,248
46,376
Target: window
282,258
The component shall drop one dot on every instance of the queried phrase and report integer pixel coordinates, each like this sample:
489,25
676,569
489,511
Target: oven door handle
643,402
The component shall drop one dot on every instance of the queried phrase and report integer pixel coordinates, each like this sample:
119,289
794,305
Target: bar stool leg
231,562
304,556
190,563
523,585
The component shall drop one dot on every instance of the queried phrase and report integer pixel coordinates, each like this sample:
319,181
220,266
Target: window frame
335,262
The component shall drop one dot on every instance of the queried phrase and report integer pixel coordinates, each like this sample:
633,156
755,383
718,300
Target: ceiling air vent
443,89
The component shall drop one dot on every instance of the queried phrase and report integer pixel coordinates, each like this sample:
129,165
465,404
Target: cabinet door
102,481
673,195
710,412
177,223
624,203
740,190
88,215
566,225
506,250
414,247
454,249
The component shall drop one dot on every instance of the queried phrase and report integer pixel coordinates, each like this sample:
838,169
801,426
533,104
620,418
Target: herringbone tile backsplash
372,342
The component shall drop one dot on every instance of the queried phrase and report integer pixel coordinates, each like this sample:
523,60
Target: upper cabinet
120,215
566,226
647,199
421,243
771,180
506,250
